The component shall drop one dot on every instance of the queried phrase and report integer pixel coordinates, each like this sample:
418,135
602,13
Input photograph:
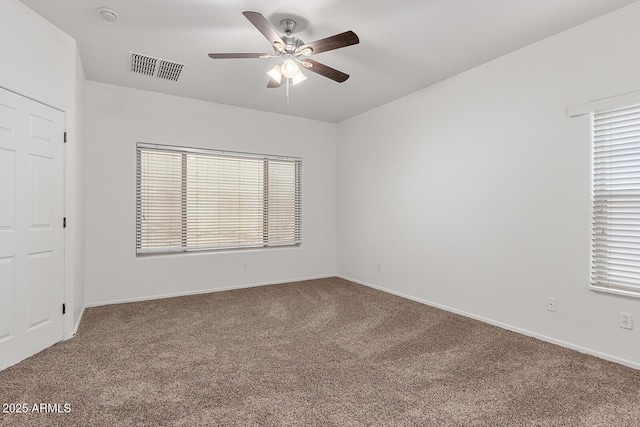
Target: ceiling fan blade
273,83
267,30
345,39
324,70
239,55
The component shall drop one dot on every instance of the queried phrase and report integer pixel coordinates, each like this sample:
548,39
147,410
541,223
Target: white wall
41,62
77,220
474,193
119,117
37,58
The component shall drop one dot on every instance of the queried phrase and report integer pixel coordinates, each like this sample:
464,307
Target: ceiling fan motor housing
291,43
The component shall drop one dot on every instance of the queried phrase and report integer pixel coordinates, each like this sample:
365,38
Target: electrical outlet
379,266
552,304
626,320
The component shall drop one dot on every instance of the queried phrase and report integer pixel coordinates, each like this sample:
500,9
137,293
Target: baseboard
75,329
203,291
501,325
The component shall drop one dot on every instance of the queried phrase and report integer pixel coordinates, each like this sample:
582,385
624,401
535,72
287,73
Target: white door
31,227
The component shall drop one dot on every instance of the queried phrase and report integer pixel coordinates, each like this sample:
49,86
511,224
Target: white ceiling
405,45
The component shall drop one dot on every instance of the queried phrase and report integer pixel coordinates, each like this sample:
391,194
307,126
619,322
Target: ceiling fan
293,52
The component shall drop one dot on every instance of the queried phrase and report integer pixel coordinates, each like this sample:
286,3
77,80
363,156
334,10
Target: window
615,249
191,200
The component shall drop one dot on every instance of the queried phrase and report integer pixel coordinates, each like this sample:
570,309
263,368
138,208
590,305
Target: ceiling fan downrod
288,25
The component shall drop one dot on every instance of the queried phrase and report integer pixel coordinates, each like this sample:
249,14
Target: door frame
70,325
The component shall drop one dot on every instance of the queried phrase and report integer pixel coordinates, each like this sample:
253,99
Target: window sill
614,291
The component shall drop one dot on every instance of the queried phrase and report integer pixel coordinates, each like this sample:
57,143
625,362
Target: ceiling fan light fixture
289,68
298,78
275,73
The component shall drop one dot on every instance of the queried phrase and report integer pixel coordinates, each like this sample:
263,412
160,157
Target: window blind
191,199
615,260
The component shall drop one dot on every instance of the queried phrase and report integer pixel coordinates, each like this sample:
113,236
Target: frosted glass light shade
275,73
289,68
298,78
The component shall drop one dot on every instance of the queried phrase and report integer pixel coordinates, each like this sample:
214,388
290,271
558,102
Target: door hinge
65,137
64,222
64,308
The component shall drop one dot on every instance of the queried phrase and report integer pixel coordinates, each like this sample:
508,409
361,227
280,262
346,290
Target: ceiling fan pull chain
286,88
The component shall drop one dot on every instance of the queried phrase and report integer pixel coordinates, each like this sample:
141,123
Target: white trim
210,152
75,329
605,104
25,93
68,232
204,291
502,325
632,294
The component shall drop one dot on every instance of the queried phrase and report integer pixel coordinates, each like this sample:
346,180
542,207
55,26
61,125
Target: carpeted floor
321,352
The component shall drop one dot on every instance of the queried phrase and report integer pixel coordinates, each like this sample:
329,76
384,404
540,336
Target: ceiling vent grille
169,70
143,64
155,67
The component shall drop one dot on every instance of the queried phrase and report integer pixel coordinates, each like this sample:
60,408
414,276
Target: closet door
31,227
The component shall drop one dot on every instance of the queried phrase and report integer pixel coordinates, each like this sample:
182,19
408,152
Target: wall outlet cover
626,320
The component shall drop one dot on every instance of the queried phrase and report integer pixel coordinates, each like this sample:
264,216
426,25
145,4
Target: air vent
155,67
143,64
169,70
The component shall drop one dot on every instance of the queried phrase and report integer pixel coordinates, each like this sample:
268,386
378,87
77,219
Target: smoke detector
108,15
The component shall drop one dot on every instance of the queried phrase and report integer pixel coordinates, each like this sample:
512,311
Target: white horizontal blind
224,201
615,260
190,199
284,204
160,202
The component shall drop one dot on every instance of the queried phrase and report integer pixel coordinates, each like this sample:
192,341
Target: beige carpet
322,352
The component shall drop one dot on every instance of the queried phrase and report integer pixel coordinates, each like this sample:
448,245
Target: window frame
598,201
267,160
